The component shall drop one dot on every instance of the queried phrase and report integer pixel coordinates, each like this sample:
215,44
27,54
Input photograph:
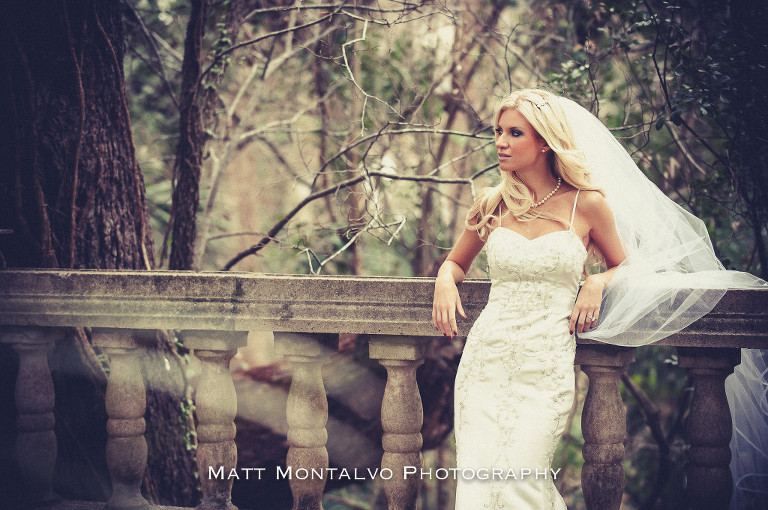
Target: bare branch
280,224
366,95
407,7
276,33
178,57
292,173
684,150
277,227
461,157
268,125
373,137
219,166
343,248
152,45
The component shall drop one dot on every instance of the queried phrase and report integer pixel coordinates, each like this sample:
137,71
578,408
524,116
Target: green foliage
190,436
710,68
104,361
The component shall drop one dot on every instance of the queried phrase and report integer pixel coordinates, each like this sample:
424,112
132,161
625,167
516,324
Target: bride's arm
446,300
602,232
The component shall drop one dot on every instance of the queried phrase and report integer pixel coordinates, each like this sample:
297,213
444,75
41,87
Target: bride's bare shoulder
590,200
594,208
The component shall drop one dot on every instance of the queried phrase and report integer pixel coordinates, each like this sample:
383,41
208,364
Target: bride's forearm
601,279
450,270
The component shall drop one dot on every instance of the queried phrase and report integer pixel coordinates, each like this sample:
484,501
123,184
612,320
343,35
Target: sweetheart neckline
530,240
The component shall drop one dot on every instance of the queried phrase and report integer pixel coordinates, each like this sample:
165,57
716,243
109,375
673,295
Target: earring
543,150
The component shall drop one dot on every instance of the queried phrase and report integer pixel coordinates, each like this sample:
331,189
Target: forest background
350,137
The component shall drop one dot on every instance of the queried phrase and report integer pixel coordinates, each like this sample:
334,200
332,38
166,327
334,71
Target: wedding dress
515,383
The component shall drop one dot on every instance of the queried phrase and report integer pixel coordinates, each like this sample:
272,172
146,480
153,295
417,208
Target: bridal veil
670,278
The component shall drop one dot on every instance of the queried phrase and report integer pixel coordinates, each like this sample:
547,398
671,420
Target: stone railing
214,312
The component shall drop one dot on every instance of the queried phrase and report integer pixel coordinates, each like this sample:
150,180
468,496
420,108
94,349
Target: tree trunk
72,196
72,191
189,152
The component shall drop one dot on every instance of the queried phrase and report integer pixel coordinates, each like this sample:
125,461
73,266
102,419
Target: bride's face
518,145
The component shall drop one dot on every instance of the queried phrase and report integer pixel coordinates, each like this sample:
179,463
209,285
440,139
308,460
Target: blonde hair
543,111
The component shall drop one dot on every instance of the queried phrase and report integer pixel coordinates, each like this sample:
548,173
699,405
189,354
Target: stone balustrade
214,312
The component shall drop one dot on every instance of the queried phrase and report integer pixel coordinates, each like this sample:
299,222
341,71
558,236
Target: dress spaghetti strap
573,213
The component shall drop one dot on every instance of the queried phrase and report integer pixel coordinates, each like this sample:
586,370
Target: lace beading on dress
515,384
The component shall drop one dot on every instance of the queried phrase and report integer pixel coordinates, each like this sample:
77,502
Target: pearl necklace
559,182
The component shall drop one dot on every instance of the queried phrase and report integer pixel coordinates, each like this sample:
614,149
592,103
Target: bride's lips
502,157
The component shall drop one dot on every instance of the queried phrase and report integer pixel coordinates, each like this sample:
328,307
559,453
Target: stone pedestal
603,424
709,426
307,414
34,396
402,416
126,402
216,408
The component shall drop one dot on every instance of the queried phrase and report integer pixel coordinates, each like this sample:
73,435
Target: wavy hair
543,111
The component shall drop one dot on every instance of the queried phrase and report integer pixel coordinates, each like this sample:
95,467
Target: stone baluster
603,424
709,426
401,416
216,408
125,402
307,415
34,395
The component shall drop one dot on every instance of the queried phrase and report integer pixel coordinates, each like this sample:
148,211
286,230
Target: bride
568,190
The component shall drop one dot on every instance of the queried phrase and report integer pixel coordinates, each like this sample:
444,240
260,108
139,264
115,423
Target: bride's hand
445,305
587,308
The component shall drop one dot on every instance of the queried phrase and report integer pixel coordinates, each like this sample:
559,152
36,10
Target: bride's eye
498,131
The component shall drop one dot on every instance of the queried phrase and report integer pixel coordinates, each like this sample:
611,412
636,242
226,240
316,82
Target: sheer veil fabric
747,392
670,278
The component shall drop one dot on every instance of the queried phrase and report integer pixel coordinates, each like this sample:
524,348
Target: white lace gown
515,383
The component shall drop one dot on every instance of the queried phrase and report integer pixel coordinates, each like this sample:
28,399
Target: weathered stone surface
401,416
216,309
307,415
312,304
36,440
216,408
603,425
125,403
709,426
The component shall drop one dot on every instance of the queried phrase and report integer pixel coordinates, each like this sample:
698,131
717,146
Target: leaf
661,121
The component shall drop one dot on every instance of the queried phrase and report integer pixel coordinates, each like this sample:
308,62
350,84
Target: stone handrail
214,312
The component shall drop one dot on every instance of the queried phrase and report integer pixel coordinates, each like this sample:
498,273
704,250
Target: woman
567,185
514,388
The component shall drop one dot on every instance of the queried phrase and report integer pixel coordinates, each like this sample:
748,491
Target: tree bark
189,152
72,192
72,196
